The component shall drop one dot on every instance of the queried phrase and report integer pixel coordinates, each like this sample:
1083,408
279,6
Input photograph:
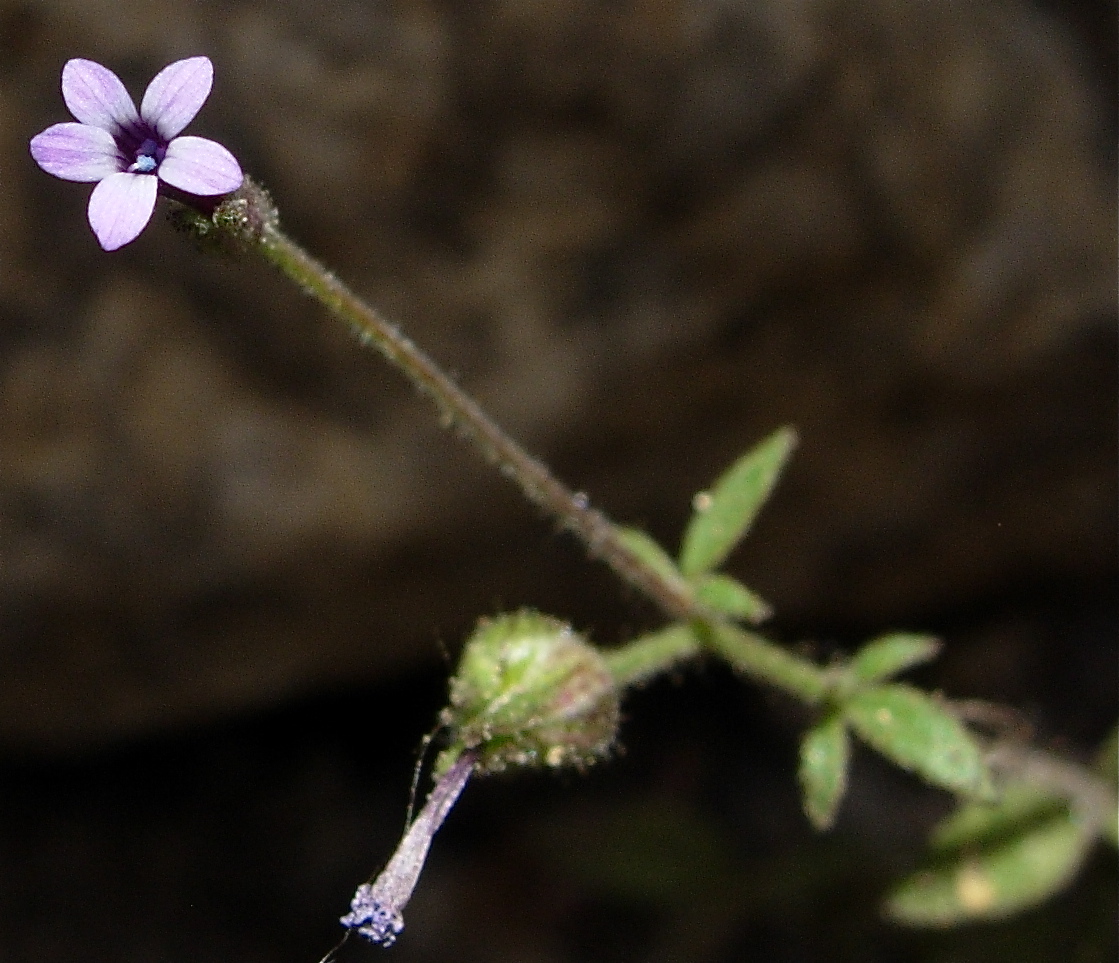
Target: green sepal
824,755
890,655
920,735
991,861
530,691
729,596
724,514
976,824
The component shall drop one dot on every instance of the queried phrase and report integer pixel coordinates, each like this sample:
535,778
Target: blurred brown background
232,547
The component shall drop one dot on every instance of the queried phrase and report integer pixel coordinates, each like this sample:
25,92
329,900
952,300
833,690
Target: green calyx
231,224
530,691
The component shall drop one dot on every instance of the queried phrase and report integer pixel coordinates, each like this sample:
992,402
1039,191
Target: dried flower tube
376,911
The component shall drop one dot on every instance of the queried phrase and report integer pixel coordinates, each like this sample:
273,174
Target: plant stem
749,653
458,409
756,656
649,655
643,658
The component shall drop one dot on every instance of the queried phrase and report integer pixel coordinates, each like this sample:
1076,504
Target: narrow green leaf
995,860
920,735
646,548
731,597
824,754
976,824
724,514
890,655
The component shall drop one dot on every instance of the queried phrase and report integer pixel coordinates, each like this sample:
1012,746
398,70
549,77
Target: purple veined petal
176,94
95,96
76,152
200,166
121,206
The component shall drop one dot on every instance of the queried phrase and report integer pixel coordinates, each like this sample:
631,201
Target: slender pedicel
376,911
249,218
539,485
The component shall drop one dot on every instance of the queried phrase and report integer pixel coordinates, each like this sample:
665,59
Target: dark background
234,550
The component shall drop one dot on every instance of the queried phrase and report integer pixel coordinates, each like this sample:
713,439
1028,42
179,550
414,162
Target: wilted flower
377,909
127,153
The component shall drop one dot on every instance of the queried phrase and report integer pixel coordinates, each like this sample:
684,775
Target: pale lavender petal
200,166
76,152
120,207
95,95
176,94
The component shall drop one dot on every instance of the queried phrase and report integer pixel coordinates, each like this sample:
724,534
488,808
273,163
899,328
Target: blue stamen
148,155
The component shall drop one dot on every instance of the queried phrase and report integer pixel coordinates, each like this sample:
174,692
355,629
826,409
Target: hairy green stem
538,484
649,655
252,220
756,656
248,219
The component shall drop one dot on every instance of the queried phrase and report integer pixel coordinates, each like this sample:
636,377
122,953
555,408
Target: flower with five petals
127,153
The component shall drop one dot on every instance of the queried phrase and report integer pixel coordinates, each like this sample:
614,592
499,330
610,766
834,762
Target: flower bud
529,692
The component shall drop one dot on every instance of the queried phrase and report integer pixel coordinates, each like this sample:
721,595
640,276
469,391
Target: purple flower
128,153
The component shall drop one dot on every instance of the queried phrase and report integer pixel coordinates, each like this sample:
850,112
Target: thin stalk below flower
458,409
572,509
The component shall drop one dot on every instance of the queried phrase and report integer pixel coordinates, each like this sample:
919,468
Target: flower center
148,157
